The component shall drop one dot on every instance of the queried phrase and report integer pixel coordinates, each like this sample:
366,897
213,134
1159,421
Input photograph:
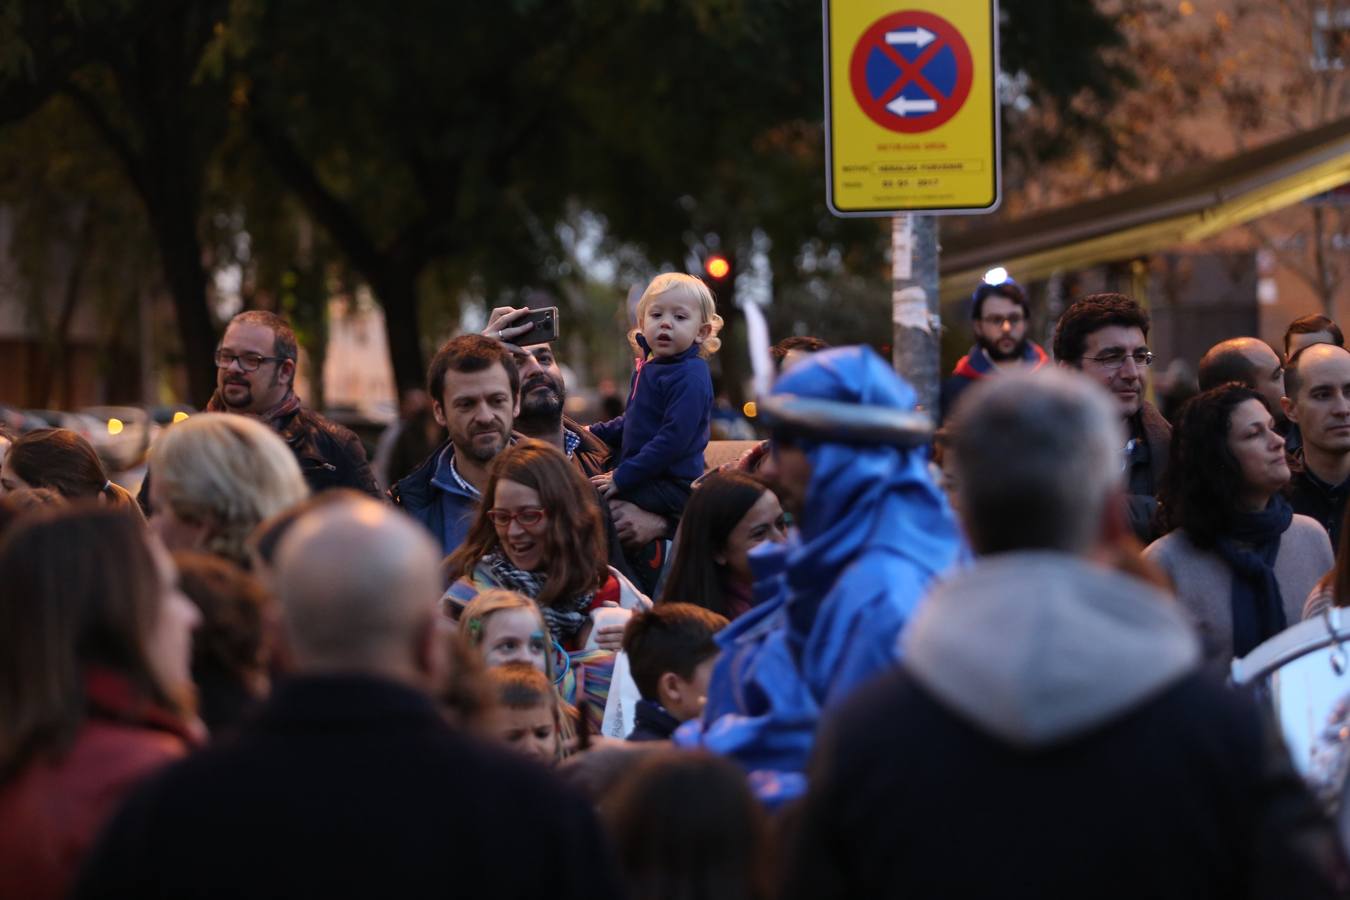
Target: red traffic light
717,267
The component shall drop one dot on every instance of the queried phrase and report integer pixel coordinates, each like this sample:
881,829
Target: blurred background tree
438,152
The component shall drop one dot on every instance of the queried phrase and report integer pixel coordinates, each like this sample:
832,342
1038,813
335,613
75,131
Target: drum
1303,676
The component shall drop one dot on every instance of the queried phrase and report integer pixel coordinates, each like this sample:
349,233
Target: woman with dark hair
728,514
64,462
1241,561
539,532
95,690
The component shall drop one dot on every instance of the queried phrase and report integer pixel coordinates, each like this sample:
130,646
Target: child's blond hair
695,289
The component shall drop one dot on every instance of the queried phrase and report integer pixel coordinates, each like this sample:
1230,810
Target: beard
227,390
541,406
481,453
998,355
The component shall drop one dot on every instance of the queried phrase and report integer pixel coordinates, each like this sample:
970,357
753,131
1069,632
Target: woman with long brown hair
95,684
538,532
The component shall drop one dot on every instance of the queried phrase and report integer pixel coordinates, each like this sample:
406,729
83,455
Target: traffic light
717,267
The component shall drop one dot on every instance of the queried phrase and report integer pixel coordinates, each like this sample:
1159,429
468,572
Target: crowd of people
566,660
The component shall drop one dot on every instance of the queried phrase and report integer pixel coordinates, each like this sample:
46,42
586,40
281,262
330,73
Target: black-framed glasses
1116,358
527,516
249,362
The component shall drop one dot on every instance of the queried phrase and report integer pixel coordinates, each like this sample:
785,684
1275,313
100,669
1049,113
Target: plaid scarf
564,619
271,418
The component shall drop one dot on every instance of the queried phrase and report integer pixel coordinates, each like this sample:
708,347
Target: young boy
671,653
660,438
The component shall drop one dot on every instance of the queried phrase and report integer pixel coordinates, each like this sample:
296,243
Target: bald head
1247,361
358,583
1314,359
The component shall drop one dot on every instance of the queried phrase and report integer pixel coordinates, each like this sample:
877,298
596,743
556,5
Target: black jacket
1174,801
330,455
346,786
1313,497
1051,734
651,722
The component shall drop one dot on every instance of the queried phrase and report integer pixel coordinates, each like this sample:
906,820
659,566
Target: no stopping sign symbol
911,71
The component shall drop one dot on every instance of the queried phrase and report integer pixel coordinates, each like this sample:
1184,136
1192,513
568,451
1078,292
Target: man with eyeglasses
1106,337
255,376
998,316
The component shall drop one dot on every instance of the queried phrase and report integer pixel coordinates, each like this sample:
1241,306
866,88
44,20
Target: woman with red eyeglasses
539,533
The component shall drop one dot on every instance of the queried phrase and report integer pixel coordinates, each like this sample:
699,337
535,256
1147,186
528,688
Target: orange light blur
717,266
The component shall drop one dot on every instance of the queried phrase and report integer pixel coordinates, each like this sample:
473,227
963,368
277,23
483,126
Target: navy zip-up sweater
664,430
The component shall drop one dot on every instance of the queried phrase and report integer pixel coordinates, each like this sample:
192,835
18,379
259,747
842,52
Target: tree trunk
396,289
175,227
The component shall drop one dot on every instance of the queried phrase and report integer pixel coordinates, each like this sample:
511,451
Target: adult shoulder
1306,528
1169,547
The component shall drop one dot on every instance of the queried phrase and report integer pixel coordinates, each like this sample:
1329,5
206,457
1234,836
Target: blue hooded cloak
830,604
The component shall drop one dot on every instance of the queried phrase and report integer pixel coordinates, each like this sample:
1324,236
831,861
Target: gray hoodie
1038,647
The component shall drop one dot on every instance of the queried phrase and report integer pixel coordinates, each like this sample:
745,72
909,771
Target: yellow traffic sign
911,112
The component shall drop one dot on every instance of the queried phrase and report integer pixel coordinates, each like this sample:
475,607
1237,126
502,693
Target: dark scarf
1249,545
564,620
271,418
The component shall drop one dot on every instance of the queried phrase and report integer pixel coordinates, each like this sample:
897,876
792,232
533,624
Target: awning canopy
1191,206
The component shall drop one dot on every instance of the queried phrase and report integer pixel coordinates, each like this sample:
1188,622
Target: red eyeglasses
527,516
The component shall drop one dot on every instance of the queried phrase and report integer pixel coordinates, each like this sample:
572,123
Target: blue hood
877,496
874,533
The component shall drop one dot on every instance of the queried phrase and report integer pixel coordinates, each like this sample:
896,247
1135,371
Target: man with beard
255,376
473,383
998,315
543,396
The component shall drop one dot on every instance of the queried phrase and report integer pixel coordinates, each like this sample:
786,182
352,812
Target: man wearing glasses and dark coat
1105,336
255,376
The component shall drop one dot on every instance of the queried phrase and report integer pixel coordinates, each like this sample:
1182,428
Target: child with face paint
527,717
506,629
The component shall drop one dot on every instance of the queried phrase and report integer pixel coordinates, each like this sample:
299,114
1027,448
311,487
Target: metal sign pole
914,305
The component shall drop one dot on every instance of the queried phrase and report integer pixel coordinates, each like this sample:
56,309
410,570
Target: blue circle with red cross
911,71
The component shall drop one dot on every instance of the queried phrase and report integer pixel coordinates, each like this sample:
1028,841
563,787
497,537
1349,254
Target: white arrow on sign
920,37
904,107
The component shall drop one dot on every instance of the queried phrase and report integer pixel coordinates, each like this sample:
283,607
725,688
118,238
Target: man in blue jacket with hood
874,531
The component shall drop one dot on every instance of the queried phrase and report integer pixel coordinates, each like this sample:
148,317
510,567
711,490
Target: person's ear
286,370
704,332
1290,409
438,412
431,656
668,689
